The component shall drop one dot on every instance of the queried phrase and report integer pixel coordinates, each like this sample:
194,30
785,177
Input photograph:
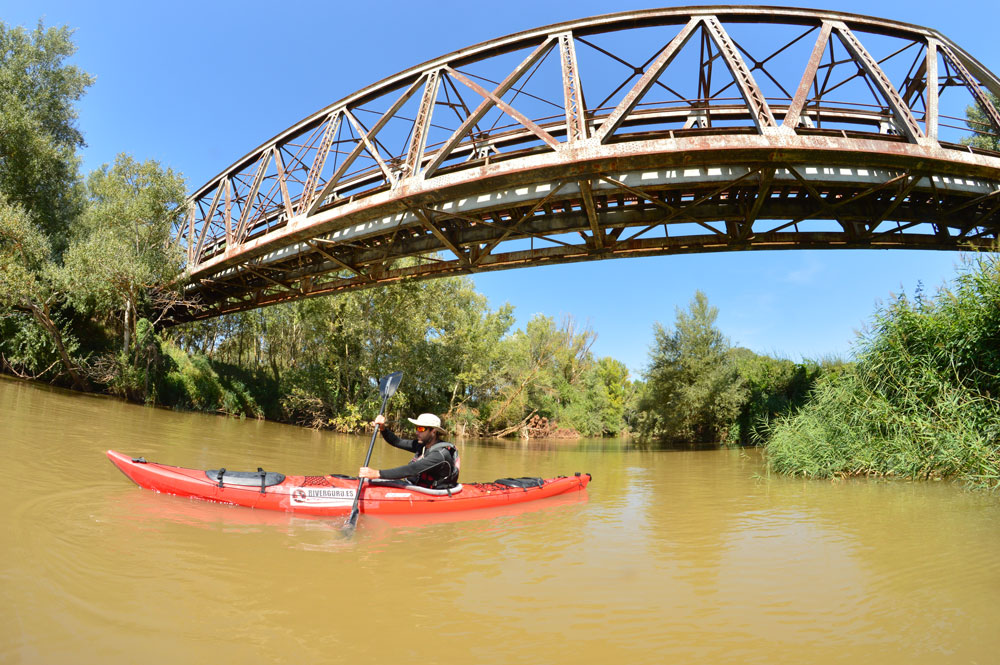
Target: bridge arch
633,134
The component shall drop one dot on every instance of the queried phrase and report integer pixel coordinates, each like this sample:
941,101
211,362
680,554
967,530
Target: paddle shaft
356,508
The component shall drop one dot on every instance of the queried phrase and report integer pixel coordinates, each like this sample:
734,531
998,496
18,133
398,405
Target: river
693,556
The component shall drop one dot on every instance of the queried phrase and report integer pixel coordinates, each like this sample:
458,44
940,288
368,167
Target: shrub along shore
921,398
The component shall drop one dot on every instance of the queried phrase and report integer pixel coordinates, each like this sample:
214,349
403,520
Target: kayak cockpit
258,478
444,491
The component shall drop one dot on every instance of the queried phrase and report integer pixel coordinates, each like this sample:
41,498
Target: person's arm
393,440
390,437
414,468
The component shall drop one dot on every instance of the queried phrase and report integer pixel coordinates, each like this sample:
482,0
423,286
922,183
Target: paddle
386,387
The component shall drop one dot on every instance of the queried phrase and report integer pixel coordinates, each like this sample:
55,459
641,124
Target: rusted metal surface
514,153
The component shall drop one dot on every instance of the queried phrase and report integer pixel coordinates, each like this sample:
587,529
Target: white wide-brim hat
427,420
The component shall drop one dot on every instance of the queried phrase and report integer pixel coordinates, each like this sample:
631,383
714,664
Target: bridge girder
329,206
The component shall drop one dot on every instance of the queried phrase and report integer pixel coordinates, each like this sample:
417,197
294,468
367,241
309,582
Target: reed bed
921,399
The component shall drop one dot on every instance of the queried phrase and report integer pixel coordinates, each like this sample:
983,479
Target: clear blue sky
196,85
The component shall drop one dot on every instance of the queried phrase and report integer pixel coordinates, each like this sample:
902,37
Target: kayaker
435,463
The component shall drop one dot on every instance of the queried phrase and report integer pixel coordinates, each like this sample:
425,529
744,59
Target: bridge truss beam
475,161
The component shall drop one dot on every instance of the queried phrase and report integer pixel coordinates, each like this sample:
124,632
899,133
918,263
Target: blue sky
197,85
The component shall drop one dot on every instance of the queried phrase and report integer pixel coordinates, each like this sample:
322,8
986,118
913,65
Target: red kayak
334,494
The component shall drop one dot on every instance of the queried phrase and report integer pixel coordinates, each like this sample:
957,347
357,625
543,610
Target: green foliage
119,251
75,263
121,246
40,196
192,381
774,387
38,133
608,393
920,402
194,384
30,300
693,388
526,379
24,258
27,349
458,355
984,134
351,419
322,354
550,371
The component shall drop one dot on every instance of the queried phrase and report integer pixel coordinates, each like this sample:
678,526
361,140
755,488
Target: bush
920,401
693,390
774,387
192,382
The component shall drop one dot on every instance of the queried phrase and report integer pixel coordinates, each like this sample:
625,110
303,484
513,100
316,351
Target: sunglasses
421,428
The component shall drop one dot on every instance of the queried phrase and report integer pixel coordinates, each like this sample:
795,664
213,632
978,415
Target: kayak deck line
334,494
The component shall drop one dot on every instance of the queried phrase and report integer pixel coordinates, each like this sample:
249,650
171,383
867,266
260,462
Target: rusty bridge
634,134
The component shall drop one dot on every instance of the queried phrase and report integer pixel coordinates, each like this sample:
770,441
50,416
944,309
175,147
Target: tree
985,134
122,247
476,355
40,192
525,381
773,387
549,370
693,390
614,387
324,352
27,282
595,404
38,133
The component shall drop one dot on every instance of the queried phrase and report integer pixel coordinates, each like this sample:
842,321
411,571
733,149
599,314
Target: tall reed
920,400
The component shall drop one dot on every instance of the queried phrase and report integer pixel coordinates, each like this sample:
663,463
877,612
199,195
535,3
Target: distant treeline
313,362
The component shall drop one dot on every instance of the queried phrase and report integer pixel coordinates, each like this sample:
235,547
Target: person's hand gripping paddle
386,387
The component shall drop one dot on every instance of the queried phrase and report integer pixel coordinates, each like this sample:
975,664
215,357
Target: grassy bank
921,400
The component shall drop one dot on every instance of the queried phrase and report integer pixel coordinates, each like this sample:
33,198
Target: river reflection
695,556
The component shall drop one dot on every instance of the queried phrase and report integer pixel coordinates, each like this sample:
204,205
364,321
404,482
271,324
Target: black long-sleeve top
436,464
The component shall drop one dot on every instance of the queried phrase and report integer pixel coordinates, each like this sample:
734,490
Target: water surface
670,556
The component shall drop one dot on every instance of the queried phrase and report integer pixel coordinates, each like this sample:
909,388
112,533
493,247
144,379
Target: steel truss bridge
634,134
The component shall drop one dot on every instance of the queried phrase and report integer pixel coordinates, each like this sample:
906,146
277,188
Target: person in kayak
435,463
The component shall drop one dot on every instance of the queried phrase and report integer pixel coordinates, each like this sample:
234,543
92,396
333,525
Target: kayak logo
322,496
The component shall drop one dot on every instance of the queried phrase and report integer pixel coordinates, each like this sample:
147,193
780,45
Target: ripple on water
691,556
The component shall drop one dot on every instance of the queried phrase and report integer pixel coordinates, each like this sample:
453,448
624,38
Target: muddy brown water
670,556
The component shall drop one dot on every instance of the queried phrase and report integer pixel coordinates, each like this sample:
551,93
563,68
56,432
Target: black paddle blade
387,386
